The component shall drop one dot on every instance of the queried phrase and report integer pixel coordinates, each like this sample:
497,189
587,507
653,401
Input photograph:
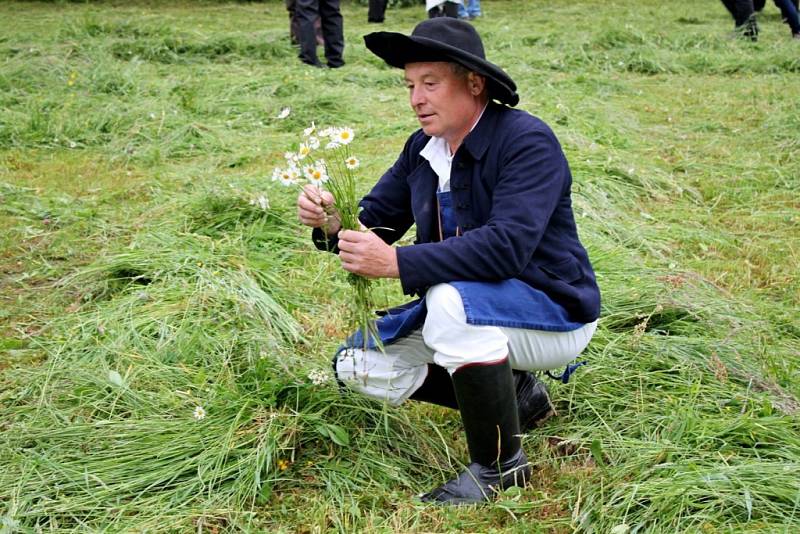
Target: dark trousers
377,10
790,11
306,12
740,10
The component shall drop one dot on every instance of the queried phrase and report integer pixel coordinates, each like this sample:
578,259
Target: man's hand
315,209
367,254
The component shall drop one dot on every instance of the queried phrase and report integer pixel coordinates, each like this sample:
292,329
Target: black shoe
533,401
479,484
749,30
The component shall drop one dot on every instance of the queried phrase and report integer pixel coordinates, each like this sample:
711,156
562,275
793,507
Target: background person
471,11
789,12
293,25
442,8
744,17
377,10
327,11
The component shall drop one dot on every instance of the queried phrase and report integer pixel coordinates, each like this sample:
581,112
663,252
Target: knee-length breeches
448,340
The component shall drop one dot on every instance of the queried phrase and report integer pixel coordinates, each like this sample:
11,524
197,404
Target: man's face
445,103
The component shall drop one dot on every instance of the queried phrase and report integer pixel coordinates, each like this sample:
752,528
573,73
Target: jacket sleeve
532,177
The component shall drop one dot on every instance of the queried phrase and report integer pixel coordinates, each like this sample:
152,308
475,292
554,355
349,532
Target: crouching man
505,285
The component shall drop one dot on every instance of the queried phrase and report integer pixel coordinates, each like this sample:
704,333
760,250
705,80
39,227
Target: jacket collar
478,140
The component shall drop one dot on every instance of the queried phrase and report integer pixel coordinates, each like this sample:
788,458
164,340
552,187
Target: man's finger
352,236
313,194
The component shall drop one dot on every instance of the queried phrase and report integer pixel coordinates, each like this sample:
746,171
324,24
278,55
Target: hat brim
397,50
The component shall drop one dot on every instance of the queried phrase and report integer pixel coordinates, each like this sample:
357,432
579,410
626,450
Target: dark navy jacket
510,187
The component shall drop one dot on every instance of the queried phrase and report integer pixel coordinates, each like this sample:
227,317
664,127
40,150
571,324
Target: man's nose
417,97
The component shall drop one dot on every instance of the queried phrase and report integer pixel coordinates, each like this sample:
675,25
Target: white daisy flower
308,132
276,174
313,142
344,135
318,176
199,413
303,151
290,156
318,377
284,113
261,201
351,162
332,145
325,132
287,176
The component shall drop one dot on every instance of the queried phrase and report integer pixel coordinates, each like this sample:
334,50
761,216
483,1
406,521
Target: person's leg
744,18
790,15
730,5
306,12
474,8
332,31
450,9
533,400
448,331
292,21
390,376
377,10
538,350
743,11
462,11
477,358
489,415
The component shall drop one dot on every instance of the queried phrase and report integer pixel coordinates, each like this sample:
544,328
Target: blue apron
510,303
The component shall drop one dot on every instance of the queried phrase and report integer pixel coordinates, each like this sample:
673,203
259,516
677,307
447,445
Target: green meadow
150,268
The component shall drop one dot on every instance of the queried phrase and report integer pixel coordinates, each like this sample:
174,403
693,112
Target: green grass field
142,276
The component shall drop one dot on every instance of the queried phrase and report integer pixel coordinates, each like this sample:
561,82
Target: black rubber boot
437,388
533,402
488,408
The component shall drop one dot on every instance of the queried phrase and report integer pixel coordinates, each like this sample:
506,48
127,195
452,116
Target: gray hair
459,70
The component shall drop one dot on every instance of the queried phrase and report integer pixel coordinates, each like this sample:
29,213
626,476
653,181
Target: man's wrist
394,268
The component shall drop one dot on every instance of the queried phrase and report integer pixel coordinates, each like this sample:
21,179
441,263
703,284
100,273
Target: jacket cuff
410,281
324,242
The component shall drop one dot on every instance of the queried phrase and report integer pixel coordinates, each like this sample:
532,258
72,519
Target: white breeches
446,339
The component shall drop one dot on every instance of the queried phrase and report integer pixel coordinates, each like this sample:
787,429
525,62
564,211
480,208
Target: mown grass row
151,269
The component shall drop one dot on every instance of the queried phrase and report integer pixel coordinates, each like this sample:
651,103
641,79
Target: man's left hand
367,254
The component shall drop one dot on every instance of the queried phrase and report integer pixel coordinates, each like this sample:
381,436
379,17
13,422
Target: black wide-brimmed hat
444,39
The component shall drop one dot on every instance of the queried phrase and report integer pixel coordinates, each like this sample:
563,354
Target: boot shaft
488,404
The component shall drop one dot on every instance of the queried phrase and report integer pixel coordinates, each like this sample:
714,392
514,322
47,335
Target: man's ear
476,83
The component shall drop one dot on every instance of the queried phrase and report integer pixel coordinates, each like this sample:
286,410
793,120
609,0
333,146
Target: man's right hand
315,209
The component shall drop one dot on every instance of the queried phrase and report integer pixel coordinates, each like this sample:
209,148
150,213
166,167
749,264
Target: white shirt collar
437,152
